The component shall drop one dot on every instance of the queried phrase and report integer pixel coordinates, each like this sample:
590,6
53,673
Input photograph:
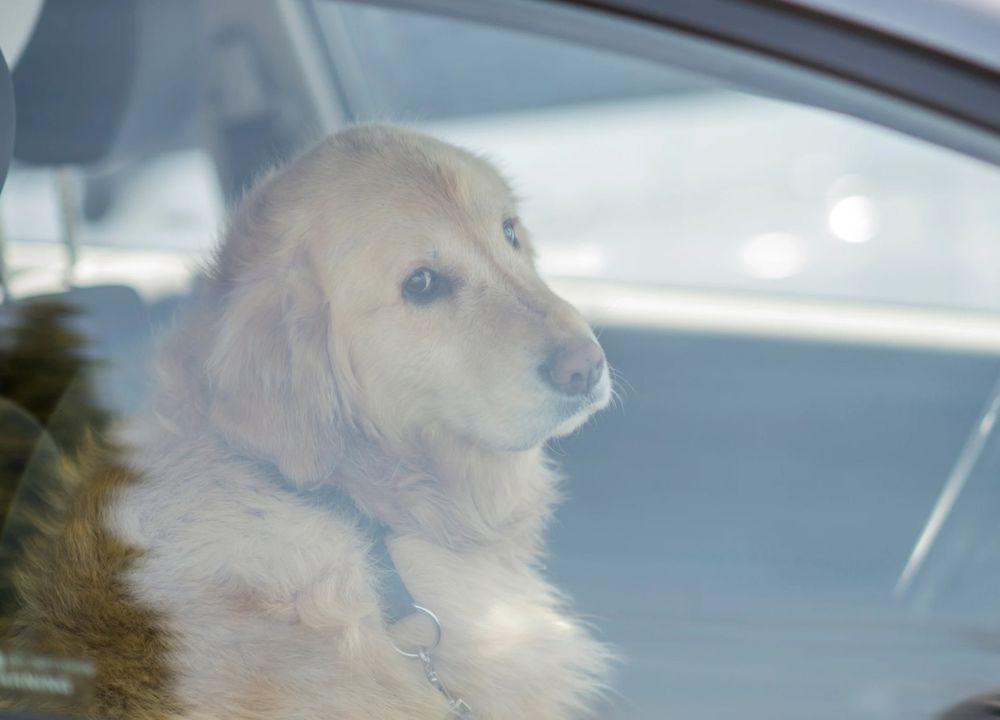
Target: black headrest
73,81
108,82
6,119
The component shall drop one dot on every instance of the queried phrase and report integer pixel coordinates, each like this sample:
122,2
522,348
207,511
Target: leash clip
457,707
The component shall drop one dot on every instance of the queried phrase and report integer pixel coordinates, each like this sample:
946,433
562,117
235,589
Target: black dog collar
395,601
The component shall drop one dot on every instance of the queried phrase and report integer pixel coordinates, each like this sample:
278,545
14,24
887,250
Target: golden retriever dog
372,325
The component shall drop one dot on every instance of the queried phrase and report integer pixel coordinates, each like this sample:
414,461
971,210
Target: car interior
741,524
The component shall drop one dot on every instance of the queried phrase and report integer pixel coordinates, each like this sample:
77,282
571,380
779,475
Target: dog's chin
576,411
558,417
524,429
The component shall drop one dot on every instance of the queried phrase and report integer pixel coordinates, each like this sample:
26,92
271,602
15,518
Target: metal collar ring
422,650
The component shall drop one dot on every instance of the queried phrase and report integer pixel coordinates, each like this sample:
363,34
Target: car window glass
640,173
144,223
764,523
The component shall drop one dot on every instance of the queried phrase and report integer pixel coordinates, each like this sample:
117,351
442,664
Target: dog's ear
271,378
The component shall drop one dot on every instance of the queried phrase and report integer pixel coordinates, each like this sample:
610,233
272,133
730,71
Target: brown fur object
56,479
74,603
45,386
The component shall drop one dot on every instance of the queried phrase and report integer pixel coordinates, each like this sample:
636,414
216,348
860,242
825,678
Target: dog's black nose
575,368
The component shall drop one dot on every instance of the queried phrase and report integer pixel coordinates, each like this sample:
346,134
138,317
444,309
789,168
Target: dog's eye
511,234
425,285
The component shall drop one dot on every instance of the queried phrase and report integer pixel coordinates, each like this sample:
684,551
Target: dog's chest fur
273,609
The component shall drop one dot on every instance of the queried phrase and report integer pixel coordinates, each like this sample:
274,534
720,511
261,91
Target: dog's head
384,286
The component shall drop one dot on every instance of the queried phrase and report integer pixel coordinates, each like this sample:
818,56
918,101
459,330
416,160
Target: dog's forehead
427,198
460,201
423,172
454,183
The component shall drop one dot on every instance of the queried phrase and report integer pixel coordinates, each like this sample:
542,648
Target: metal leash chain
457,707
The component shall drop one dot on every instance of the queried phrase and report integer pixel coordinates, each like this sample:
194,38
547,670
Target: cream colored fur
300,351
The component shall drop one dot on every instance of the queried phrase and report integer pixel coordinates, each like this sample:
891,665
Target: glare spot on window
773,255
571,260
853,219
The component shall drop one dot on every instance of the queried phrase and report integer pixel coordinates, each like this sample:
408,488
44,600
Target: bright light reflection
571,260
774,255
505,626
853,219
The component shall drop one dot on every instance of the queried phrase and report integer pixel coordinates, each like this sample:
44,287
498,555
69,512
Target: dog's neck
455,494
